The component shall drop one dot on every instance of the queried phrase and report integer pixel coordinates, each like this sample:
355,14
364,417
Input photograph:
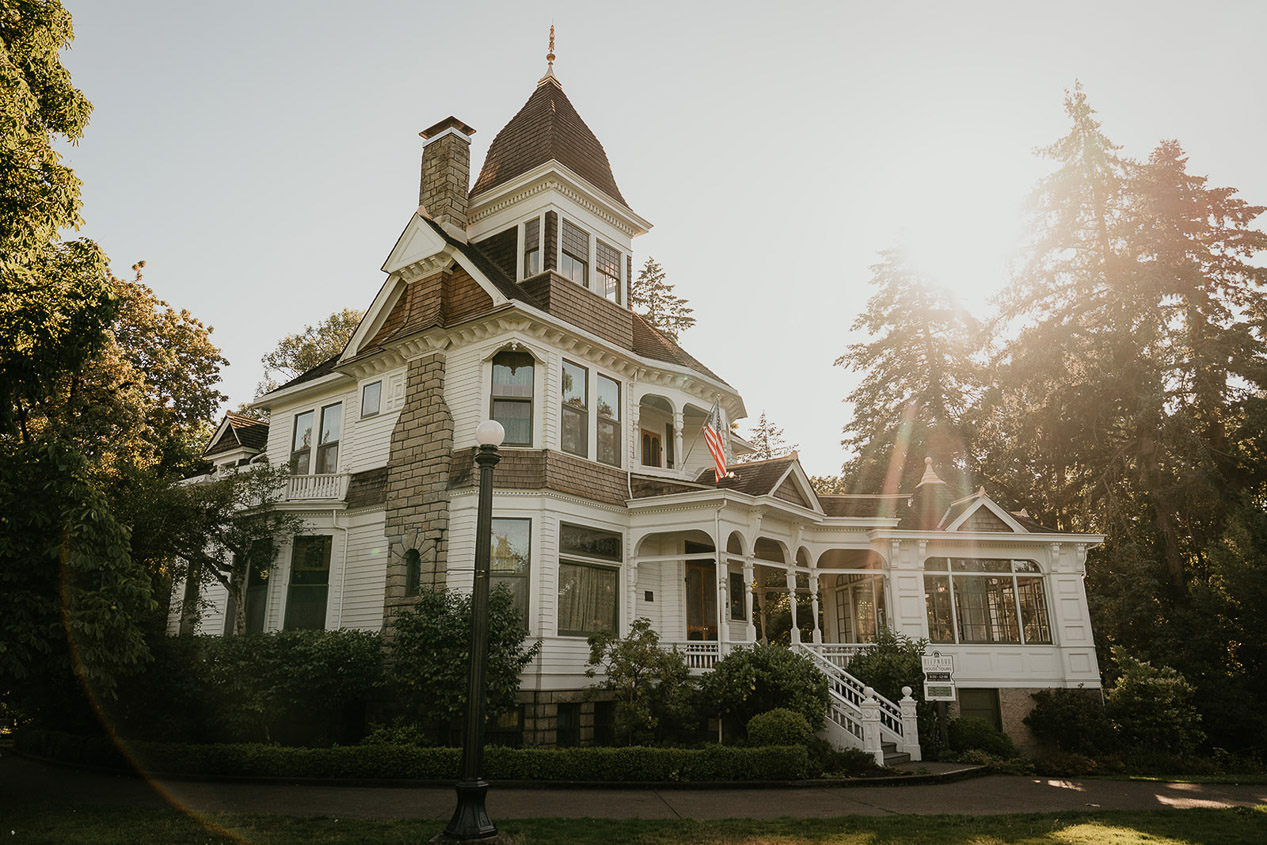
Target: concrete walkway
26,782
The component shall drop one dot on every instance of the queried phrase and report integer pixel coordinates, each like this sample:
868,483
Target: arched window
512,396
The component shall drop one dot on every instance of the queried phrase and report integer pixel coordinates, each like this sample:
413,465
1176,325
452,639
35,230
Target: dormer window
532,247
607,271
576,252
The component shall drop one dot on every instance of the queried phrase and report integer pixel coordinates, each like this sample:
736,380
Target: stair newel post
910,725
871,726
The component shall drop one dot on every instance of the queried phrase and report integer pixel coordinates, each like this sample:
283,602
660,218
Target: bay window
607,271
971,600
532,247
510,560
608,420
575,435
512,396
574,262
589,580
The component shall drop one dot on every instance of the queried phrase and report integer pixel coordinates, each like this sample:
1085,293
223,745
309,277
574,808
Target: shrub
1063,764
891,662
429,657
846,763
1152,707
1073,720
1002,764
972,734
655,699
748,681
779,726
628,765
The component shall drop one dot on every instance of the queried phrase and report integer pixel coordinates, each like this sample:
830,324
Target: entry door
701,600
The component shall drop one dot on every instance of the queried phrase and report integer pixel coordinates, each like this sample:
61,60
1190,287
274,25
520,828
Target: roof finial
549,62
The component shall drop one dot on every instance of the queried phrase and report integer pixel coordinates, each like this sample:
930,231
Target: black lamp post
470,819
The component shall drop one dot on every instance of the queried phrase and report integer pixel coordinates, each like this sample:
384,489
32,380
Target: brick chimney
446,171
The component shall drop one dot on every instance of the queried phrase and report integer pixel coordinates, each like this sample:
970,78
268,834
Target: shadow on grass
128,826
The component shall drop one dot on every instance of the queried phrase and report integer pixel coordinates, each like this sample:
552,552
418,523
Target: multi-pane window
532,247
589,580
328,448
510,559
860,607
971,600
371,398
575,409
512,396
309,583
301,444
608,420
576,254
607,271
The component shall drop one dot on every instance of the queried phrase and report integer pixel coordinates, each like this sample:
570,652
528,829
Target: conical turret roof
547,128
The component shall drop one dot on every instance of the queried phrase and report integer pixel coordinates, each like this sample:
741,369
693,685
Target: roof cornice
553,175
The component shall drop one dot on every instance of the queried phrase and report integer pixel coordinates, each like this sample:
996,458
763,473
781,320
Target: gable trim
989,504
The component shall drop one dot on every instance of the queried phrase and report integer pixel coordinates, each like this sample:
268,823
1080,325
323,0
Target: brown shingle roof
547,128
651,343
242,431
756,478
864,506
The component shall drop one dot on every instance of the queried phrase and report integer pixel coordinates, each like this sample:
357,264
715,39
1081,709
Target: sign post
939,686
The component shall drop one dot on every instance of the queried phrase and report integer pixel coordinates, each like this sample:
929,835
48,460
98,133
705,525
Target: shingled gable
979,512
237,432
782,478
546,129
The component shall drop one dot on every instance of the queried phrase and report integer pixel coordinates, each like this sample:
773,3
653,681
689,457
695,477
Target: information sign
939,683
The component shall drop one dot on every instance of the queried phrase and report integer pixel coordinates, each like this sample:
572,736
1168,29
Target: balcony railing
699,656
329,486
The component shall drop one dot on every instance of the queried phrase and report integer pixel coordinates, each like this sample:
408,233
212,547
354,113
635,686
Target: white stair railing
852,701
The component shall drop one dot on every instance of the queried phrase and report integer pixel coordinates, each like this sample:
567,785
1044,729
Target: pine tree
919,381
768,440
651,295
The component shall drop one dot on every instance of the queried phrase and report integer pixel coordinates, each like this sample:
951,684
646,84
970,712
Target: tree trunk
189,604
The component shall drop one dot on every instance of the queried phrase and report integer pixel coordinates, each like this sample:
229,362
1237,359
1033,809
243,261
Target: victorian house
508,299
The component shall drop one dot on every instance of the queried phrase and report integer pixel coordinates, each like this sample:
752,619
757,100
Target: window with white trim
327,446
984,600
575,433
371,399
532,247
511,395
589,580
574,262
510,559
608,421
606,271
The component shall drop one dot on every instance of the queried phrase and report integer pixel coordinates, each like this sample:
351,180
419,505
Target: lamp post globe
490,433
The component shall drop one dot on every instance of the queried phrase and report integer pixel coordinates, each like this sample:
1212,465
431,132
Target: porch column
813,586
748,609
635,441
723,609
791,593
631,596
677,439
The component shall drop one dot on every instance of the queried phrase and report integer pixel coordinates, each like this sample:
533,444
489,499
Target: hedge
628,765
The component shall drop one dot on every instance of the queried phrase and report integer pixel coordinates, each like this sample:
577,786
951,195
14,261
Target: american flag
712,436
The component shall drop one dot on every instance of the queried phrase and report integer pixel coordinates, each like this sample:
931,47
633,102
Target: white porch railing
859,715
838,654
700,657
321,486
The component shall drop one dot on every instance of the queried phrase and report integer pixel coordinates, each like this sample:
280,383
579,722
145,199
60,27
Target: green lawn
124,826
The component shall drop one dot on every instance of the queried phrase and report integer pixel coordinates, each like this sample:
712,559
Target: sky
262,157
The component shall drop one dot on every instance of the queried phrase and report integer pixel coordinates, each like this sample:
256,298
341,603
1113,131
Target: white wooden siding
365,578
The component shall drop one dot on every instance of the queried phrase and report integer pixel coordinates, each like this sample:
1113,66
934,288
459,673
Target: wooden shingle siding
551,247
463,297
503,250
789,492
538,469
563,298
368,488
984,520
